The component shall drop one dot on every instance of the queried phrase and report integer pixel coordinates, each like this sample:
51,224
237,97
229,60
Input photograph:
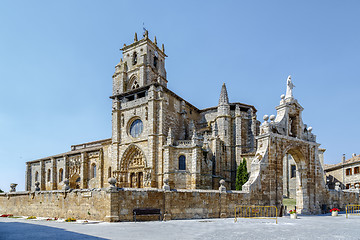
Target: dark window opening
182,163
232,107
134,59
155,61
130,98
293,171
348,171
356,170
141,95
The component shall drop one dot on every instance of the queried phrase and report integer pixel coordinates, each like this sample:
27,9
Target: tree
242,175
1,191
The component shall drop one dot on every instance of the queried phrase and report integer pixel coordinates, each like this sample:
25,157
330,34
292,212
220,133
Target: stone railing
183,143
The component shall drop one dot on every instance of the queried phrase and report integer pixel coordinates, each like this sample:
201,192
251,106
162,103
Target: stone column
84,170
42,175
54,174
66,168
28,176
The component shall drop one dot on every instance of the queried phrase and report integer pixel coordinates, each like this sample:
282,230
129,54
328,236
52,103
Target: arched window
49,175
182,162
93,170
155,61
134,58
109,172
61,175
135,85
36,176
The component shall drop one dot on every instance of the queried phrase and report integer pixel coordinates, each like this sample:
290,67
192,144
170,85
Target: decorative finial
135,37
124,44
121,60
163,48
289,88
155,41
272,118
266,118
146,34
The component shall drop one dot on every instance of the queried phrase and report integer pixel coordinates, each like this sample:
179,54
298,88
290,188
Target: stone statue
289,87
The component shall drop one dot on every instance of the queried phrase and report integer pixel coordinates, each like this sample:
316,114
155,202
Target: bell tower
143,63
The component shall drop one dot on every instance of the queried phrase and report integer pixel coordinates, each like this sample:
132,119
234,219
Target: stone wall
118,205
81,204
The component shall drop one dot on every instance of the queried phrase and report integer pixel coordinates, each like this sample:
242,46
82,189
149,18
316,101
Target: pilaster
84,170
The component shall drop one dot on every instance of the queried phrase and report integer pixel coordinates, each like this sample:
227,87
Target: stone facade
163,150
156,135
347,173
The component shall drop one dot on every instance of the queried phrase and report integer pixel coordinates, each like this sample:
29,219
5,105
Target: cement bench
146,212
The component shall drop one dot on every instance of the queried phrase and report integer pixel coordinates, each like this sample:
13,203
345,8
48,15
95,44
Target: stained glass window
136,128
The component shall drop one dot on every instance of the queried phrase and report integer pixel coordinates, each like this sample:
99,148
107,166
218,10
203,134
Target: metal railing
352,210
263,212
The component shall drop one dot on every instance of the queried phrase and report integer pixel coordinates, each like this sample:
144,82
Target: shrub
335,210
242,175
6,215
31,217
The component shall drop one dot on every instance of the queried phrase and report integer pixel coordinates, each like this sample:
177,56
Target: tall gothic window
49,175
36,176
155,61
182,162
61,175
134,58
93,170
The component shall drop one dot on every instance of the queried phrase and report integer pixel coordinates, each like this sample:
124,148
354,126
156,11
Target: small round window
136,128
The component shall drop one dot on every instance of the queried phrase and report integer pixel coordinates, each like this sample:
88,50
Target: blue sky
57,59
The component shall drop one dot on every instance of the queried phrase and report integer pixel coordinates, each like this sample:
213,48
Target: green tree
242,175
1,191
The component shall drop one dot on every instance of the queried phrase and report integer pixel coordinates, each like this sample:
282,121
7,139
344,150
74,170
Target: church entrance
132,168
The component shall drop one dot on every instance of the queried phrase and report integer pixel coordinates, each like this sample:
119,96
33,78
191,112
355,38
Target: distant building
347,173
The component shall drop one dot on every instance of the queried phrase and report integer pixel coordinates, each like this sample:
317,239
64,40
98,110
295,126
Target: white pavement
306,227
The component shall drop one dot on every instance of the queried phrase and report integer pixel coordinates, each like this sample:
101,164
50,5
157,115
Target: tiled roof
350,161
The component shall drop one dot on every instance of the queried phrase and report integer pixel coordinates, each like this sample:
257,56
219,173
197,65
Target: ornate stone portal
286,134
132,168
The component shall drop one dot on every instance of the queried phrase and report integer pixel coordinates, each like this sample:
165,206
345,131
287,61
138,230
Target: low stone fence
177,204
118,204
81,204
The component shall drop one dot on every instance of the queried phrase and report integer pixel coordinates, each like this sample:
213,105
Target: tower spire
135,38
224,99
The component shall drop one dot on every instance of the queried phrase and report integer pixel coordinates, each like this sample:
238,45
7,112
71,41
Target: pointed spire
135,38
121,60
163,48
155,41
224,99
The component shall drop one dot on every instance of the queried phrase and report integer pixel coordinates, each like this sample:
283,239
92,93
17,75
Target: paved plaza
305,227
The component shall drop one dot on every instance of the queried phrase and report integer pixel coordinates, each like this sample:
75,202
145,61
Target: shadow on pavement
16,230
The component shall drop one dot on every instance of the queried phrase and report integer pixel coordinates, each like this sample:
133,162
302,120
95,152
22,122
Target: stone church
157,136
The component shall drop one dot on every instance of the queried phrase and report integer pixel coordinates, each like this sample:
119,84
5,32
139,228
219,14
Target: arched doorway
286,134
132,168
